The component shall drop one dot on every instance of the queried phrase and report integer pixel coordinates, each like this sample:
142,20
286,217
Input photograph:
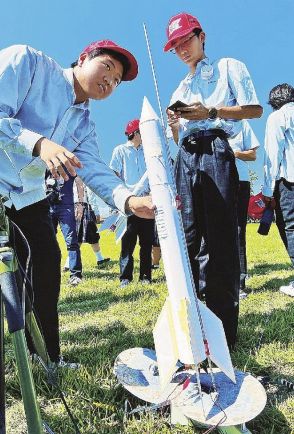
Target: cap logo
175,25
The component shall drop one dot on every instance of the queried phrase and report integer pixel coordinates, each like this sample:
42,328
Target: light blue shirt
129,163
279,148
244,141
37,99
224,82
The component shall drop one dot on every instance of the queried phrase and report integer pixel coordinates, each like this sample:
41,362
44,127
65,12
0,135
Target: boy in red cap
128,162
217,96
45,121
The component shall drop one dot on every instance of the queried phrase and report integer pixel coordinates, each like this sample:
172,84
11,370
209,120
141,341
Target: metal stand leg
37,338
15,322
27,384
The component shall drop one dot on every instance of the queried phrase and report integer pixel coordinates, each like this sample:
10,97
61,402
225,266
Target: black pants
203,257
144,229
284,195
207,181
243,202
36,224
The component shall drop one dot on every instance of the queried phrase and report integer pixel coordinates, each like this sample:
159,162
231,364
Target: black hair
197,33
281,95
132,135
117,56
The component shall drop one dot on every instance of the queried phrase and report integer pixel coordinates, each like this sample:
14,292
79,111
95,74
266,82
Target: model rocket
117,222
186,330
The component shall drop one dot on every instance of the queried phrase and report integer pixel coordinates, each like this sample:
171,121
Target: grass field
98,320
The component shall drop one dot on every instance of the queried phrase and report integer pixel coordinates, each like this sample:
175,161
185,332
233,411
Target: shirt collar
199,65
129,144
68,73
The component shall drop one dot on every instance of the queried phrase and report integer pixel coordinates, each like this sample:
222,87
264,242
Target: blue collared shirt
279,148
129,163
37,99
224,82
244,141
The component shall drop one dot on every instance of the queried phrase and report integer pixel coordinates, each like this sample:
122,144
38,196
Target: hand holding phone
177,106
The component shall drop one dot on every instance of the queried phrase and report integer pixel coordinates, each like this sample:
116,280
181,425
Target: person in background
218,95
278,185
87,217
244,145
129,164
62,212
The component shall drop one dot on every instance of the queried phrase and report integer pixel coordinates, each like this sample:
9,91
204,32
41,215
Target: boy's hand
56,158
140,206
194,112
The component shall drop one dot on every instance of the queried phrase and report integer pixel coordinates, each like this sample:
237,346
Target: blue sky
258,32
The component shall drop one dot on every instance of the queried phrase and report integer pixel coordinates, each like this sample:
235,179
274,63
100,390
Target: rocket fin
121,227
109,222
218,347
166,344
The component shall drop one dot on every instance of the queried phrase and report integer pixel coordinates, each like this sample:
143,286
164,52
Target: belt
192,143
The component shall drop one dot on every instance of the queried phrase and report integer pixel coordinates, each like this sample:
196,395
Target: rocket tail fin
217,343
166,345
109,222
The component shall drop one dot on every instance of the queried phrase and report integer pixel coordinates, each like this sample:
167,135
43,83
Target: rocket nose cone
148,113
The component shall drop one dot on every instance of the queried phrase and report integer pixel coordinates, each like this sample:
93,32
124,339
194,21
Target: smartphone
177,105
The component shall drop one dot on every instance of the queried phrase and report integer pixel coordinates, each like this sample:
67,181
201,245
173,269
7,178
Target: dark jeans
284,195
65,216
36,224
207,181
144,229
243,202
202,257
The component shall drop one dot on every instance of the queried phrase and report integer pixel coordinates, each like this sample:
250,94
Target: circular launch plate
234,404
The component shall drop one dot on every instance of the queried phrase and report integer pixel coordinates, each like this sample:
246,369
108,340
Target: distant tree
253,178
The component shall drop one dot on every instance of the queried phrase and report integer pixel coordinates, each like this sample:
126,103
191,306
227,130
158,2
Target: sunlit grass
98,320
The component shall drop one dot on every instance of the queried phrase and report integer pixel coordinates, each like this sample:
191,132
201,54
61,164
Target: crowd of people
45,124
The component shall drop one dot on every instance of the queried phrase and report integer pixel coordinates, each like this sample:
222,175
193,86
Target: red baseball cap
132,70
132,126
180,25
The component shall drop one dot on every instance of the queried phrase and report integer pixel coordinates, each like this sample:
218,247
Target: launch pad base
229,409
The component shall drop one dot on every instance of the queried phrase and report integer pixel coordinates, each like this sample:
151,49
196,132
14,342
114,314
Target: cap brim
132,72
169,45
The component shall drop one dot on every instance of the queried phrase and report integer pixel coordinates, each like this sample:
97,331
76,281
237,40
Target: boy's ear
82,58
202,37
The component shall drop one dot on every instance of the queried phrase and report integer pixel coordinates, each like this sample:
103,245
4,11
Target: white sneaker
74,280
242,294
288,289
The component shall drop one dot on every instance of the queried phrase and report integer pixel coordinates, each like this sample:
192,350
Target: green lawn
99,320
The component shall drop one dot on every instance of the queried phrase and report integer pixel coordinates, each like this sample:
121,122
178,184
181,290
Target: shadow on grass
274,326
270,284
263,268
92,302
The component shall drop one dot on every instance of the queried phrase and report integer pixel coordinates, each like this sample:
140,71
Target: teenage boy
278,187
128,162
45,121
218,95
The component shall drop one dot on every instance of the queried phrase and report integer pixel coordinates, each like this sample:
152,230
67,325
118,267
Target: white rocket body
118,222
185,325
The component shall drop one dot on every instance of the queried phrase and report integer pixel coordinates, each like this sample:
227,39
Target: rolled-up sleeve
241,83
17,66
98,176
274,146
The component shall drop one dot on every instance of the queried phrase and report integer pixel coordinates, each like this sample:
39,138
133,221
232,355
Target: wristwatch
212,113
